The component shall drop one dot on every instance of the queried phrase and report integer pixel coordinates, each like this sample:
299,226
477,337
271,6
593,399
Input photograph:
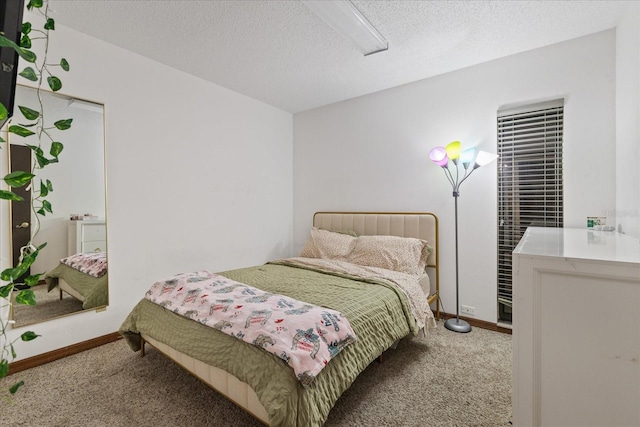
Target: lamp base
456,325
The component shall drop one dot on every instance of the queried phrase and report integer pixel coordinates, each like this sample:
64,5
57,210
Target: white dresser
576,329
87,236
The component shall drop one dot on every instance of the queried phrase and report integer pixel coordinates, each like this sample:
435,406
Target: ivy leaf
33,279
4,368
18,271
13,351
56,149
64,64
10,195
25,54
50,24
18,178
50,188
28,113
6,274
42,160
43,210
20,131
2,139
29,74
26,297
14,388
3,111
25,42
63,124
22,267
26,27
27,125
28,336
6,290
36,149
47,206
28,55
34,3
44,191
54,83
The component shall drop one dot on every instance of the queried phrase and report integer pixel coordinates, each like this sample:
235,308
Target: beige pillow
327,244
404,254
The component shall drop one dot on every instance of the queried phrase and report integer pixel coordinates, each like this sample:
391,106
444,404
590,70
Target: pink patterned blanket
305,336
94,263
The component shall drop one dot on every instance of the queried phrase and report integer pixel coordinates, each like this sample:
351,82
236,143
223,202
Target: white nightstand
87,236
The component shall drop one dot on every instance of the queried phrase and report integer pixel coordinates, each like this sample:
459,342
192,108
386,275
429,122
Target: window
529,182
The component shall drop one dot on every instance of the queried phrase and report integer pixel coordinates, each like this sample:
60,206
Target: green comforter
94,290
377,312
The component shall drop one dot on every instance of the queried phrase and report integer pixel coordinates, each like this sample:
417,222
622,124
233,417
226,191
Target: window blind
529,182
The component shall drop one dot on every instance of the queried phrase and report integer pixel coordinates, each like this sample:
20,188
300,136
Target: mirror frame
81,101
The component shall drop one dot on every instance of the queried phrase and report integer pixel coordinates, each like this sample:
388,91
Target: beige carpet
445,379
48,306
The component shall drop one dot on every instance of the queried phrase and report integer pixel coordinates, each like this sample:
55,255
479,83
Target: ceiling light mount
347,20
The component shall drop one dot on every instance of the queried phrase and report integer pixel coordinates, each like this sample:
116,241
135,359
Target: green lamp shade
453,150
438,156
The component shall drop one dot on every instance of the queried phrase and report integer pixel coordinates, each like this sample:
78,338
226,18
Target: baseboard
41,359
478,323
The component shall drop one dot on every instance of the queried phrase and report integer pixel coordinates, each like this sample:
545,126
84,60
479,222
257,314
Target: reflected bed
83,276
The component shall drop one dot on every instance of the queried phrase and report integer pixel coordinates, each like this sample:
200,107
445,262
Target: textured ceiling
284,55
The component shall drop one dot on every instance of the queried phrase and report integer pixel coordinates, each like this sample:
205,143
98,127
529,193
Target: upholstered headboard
418,225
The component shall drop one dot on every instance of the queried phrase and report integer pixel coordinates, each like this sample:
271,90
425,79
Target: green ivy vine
46,152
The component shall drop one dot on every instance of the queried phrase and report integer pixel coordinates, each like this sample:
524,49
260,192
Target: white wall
371,153
627,209
197,177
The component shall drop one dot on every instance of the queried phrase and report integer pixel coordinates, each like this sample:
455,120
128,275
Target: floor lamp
470,159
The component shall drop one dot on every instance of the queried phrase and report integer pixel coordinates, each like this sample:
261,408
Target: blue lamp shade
438,156
468,157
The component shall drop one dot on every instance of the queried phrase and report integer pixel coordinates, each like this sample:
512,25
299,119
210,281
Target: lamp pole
456,324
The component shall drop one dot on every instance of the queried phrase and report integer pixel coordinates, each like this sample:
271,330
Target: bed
259,381
83,276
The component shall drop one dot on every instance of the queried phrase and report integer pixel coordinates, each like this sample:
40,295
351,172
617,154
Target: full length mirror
74,258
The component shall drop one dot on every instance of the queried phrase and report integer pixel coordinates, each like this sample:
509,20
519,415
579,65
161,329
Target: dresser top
579,243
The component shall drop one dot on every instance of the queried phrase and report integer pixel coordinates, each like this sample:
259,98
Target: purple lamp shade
438,156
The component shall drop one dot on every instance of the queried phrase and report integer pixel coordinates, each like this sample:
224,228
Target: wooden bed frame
417,225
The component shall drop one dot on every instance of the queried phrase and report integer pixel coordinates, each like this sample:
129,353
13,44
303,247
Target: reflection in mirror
75,256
